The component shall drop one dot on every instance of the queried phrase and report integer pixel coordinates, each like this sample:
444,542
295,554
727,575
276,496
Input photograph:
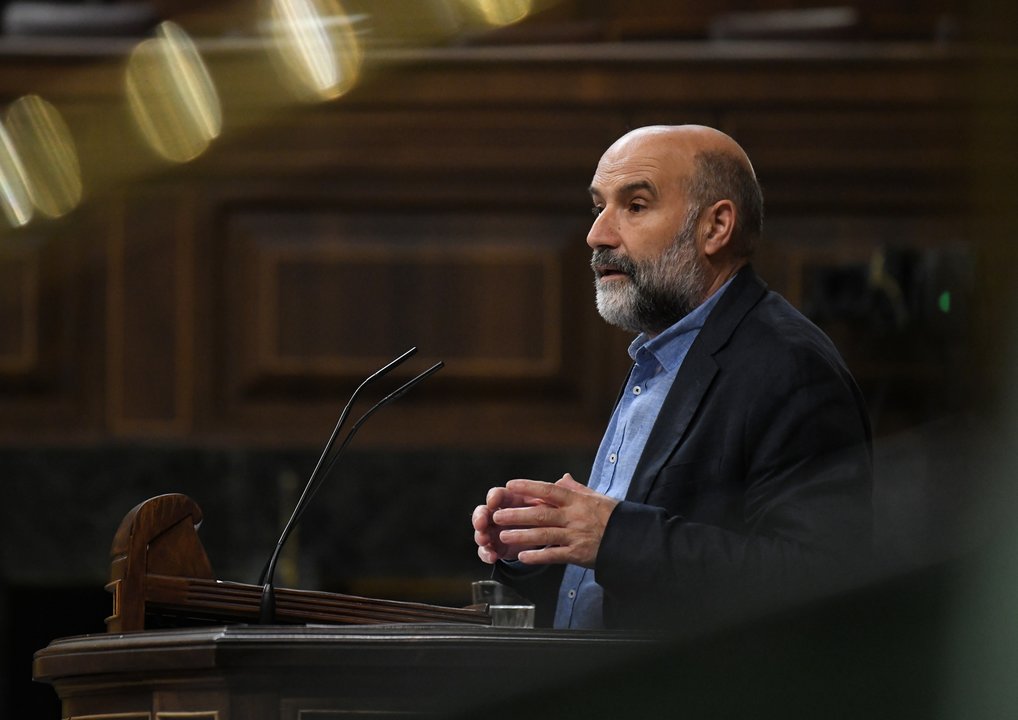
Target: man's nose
603,232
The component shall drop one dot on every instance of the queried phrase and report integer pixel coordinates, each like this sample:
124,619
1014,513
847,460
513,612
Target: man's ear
720,222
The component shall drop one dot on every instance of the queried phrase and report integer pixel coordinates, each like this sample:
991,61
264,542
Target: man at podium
735,473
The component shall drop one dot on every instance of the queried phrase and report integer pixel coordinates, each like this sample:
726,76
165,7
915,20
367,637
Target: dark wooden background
197,328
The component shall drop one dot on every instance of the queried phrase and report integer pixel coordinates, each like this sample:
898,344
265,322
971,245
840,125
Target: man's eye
636,207
595,211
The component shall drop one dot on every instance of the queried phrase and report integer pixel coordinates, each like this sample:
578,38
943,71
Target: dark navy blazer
754,487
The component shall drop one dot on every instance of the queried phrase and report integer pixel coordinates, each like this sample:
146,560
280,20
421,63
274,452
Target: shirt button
571,594
612,458
637,390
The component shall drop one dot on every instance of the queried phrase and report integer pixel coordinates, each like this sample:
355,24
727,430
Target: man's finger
551,555
533,536
547,492
533,516
480,518
496,498
568,483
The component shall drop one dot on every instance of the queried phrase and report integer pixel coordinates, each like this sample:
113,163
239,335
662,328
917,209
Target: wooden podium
246,672
325,656
874,652
159,569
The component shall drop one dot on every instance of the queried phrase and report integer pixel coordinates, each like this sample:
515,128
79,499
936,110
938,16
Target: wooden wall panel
875,19
857,157
19,311
487,296
239,299
397,144
317,300
50,315
150,326
853,140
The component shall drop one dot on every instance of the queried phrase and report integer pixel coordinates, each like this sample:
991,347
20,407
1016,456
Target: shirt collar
668,347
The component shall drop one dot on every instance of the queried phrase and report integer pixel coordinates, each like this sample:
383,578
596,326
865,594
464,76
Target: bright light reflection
14,195
316,46
48,157
501,12
172,96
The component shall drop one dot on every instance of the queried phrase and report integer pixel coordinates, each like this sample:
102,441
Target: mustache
616,261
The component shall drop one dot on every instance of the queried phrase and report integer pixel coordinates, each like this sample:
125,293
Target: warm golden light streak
416,23
48,155
172,96
501,12
14,195
310,42
316,47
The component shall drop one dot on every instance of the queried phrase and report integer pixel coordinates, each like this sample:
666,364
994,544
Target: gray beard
658,292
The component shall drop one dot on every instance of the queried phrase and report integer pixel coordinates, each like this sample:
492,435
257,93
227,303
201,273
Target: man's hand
490,547
547,523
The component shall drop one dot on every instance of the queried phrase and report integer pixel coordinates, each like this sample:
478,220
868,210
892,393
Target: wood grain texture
439,204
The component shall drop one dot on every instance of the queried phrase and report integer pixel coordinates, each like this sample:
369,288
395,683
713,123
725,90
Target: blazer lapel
693,380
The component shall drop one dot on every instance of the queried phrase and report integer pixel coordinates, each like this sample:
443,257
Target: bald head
686,139
711,165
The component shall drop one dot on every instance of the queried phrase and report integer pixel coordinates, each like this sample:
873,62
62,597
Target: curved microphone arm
270,566
397,393
318,475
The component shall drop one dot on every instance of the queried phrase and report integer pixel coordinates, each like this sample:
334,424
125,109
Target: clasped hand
540,523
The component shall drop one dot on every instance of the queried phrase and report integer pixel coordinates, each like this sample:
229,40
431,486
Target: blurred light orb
501,12
316,47
14,194
47,154
171,95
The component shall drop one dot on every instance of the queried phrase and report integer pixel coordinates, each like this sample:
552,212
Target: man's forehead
634,167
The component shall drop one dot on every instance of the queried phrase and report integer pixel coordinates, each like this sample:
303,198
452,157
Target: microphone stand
267,606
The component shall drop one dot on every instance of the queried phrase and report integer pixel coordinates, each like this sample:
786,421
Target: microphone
267,606
394,395
302,501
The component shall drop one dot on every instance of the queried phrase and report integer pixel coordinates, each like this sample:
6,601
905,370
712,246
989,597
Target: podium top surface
245,648
277,672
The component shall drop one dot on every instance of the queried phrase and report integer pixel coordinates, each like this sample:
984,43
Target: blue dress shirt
656,363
